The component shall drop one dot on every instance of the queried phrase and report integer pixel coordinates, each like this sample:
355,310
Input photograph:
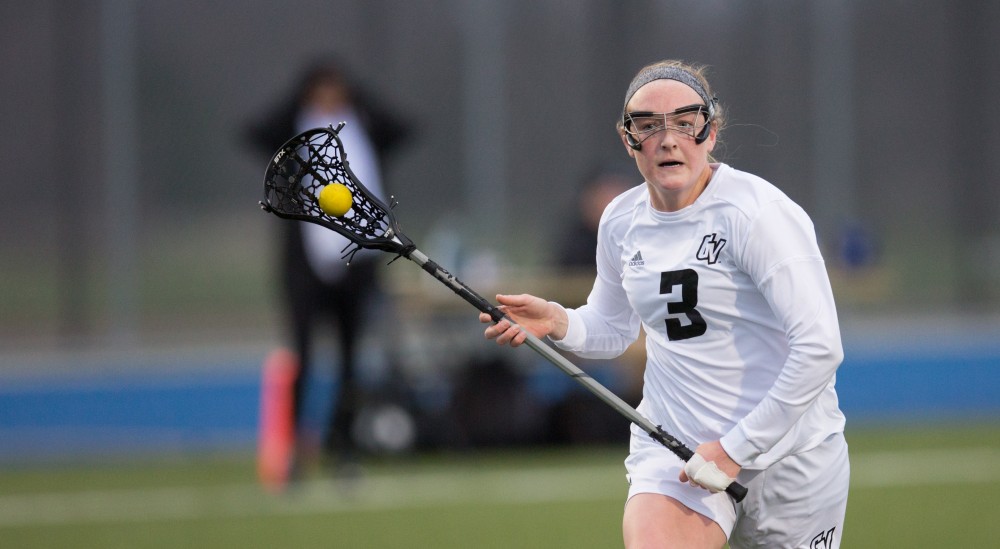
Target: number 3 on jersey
685,321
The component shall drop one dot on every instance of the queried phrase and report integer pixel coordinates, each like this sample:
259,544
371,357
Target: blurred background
138,291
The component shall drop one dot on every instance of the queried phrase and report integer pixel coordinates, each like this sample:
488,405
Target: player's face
675,167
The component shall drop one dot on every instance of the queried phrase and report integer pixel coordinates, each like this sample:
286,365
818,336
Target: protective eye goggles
692,121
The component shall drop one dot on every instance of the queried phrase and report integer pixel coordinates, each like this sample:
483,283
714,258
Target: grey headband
665,73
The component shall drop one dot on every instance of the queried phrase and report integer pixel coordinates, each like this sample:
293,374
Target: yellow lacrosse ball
335,199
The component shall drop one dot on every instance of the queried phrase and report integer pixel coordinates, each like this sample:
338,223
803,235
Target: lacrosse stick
293,189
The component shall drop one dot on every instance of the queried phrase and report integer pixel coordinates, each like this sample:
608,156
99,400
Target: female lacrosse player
722,271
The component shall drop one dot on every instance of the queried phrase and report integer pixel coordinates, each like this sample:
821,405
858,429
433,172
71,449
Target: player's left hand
700,472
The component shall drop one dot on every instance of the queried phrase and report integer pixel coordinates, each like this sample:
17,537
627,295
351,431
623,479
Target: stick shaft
736,490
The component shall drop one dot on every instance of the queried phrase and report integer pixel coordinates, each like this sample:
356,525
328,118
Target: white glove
707,474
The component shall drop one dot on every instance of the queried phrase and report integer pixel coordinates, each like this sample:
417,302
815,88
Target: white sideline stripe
410,490
373,493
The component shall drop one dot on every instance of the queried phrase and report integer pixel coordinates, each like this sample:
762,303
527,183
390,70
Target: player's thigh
655,520
653,469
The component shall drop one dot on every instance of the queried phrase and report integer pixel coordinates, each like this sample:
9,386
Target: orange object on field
276,435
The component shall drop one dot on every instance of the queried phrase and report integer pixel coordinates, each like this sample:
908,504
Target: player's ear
712,136
625,141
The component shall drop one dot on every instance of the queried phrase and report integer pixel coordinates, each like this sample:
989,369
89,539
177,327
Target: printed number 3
692,324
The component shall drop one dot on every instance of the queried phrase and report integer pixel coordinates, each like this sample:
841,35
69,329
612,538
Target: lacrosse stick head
306,164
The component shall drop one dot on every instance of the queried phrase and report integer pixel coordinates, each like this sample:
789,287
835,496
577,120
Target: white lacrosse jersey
742,336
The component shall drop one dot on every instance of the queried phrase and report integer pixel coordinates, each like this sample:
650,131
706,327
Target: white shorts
800,501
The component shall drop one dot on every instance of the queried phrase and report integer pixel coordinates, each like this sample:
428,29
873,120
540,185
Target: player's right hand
531,313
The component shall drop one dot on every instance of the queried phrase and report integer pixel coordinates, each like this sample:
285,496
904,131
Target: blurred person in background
319,288
577,248
723,273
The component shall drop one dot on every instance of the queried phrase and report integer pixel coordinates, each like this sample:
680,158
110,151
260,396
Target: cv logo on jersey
711,248
823,540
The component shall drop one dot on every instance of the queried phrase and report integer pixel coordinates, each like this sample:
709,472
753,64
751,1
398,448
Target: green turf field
902,496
